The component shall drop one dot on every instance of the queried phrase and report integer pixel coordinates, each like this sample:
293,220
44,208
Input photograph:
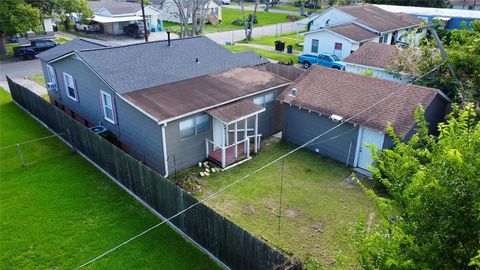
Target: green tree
16,16
431,219
63,9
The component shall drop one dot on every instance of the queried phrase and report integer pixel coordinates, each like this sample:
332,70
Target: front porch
235,133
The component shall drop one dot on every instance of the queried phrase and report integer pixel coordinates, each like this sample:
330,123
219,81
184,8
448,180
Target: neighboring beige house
465,4
341,30
115,15
375,60
169,10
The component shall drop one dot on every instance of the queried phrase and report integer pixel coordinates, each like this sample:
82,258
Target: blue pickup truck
326,60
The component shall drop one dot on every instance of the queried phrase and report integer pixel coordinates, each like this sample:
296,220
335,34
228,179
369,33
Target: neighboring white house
375,60
342,30
115,15
170,12
465,4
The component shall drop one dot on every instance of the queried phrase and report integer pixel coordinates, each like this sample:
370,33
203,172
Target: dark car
135,30
36,46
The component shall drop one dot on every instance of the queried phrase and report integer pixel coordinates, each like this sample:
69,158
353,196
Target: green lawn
38,78
290,39
277,56
229,15
59,211
318,211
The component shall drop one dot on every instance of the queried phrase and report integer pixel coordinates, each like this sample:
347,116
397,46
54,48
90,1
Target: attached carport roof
102,19
236,111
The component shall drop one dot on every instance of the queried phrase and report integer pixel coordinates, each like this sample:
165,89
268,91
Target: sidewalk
264,47
31,85
266,30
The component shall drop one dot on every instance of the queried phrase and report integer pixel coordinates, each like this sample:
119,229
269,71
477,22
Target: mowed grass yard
290,39
319,210
59,211
229,15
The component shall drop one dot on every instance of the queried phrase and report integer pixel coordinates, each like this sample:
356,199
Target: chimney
168,36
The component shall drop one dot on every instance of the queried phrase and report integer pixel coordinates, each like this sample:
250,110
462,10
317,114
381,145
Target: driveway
19,68
266,30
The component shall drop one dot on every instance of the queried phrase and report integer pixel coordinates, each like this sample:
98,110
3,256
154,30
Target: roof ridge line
137,44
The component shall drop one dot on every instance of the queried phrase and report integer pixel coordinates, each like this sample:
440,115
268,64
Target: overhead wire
251,173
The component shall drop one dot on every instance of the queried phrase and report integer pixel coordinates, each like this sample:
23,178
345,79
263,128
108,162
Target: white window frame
105,107
318,45
65,75
195,121
51,78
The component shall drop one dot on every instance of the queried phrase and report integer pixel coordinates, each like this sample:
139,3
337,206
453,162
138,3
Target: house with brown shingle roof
341,30
355,110
375,60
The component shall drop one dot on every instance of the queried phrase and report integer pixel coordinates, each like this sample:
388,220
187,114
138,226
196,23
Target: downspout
164,146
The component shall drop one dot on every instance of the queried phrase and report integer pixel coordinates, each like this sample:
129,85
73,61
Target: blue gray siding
139,133
301,126
184,153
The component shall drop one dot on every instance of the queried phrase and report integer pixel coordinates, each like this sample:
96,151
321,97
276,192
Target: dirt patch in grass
292,213
248,209
317,227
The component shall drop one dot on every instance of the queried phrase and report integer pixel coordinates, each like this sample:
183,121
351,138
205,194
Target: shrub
298,3
255,20
237,22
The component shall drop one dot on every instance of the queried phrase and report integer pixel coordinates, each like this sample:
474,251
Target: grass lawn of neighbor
290,39
229,15
59,211
277,56
320,206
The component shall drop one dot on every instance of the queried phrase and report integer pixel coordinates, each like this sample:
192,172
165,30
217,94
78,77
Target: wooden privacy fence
228,242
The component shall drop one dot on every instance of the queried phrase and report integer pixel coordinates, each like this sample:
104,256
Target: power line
33,140
247,175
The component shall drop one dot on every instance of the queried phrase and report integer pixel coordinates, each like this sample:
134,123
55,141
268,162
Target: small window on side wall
314,45
107,106
51,79
194,126
70,86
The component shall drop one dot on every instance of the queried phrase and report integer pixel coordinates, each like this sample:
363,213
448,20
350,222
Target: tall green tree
16,16
431,219
62,9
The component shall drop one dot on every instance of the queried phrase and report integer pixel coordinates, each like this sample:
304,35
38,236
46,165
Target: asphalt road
19,68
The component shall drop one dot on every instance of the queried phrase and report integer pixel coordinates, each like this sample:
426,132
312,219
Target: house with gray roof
341,30
114,15
353,111
170,104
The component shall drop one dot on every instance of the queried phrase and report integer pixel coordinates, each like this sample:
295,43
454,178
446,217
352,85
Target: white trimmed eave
220,104
105,82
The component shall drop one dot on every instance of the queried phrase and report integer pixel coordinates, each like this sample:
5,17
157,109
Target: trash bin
289,49
279,45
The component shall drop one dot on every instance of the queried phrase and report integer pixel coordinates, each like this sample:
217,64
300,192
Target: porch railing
211,146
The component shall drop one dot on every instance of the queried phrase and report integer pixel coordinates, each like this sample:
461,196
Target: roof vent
336,118
168,36
197,61
293,93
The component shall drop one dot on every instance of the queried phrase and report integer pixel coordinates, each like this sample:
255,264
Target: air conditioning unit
51,86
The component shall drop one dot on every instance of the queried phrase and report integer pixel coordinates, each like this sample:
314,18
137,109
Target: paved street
262,8
266,30
19,68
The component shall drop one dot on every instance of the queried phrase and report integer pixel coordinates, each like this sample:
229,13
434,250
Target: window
266,101
51,79
314,45
383,38
107,106
70,86
338,46
194,126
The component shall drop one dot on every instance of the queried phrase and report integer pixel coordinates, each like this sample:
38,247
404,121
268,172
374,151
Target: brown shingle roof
235,110
379,19
353,32
373,54
328,91
172,100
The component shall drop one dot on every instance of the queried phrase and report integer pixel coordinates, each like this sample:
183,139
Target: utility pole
144,22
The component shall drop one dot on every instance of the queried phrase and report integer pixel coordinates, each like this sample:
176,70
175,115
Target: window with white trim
267,100
314,45
51,79
107,106
194,126
70,86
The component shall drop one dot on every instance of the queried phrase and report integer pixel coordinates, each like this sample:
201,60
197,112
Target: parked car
225,2
326,60
36,46
87,27
135,30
